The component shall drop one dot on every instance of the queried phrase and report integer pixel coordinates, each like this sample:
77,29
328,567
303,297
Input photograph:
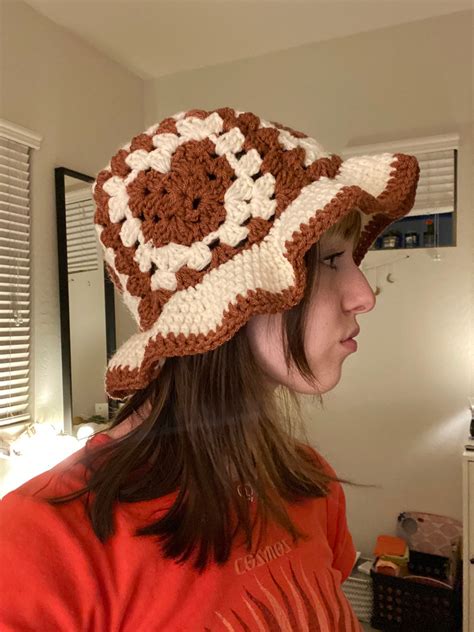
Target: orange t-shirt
56,575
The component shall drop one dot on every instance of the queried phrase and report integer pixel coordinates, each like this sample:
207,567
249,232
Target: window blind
436,186
82,243
15,329
437,157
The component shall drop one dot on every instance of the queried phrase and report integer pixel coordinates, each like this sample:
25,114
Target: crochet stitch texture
205,218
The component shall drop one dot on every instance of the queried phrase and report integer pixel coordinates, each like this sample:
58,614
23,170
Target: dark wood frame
110,334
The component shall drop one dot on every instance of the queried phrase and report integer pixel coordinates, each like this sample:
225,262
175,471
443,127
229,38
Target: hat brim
270,276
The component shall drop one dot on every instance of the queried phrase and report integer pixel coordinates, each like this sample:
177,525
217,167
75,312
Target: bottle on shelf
429,235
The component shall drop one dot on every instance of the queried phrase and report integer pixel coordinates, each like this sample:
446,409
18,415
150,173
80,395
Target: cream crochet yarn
205,218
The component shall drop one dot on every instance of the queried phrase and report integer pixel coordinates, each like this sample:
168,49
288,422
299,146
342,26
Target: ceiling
155,38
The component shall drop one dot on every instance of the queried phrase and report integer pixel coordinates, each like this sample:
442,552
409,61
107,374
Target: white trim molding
19,134
410,145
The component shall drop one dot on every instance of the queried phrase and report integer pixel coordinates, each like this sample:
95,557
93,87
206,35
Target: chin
301,386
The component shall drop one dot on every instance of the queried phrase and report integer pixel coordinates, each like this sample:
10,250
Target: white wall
84,105
398,417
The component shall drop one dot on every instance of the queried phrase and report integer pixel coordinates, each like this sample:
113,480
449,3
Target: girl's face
343,293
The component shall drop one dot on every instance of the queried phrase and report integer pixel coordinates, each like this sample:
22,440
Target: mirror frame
110,332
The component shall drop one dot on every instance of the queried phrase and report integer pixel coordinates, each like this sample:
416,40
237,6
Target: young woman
235,243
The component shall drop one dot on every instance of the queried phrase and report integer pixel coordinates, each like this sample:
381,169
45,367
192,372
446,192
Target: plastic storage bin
409,606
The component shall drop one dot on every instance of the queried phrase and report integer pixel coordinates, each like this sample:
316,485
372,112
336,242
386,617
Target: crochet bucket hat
205,218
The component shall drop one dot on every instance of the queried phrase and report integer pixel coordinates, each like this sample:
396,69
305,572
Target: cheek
264,335
319,325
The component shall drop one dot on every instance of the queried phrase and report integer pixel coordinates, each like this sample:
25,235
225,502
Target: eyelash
331,259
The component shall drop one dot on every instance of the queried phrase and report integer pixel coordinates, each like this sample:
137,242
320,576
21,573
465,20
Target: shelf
412,233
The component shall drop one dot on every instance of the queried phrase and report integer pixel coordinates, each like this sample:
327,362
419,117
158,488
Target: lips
350,344
354,333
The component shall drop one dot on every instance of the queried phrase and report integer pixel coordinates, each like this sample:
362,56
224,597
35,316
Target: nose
360,297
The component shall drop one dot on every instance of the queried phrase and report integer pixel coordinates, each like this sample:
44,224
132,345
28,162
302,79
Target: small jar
412,240
392,240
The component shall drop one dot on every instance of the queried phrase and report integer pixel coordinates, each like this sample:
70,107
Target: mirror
86,302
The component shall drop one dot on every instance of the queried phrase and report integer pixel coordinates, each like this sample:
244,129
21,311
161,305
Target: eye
331,260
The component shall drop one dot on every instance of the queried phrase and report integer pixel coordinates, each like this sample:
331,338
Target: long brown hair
212,415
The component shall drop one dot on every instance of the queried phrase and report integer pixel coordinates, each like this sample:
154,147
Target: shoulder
50,547
62,478
40,532
28,502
